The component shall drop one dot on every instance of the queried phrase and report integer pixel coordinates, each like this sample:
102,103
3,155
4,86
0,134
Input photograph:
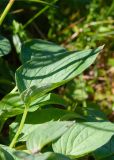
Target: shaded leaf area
7,154
12,105
109,158
92,112
46,133
6,78
44,156
35,78
39,117
45,51
11,154
105,151
83,138
5,46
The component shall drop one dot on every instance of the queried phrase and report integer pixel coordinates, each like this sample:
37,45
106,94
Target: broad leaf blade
83,138
46,133
5,46
38,117
37,77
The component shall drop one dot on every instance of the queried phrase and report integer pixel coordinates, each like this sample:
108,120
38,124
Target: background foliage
75,25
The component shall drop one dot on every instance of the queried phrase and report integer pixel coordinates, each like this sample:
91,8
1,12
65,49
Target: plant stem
20,128
9,5
37,15
14,90
111,8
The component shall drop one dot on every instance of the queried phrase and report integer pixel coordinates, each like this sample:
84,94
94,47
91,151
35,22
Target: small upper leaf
5,46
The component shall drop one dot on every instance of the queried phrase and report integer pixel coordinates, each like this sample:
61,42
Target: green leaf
38,117
41,75
47,99
46,52
12,105
6,153
105,151
44,156
5,46
83,138
46,133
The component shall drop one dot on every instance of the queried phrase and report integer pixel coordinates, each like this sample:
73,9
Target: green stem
111,8
8,7
42,2
20,128
14,90
37,15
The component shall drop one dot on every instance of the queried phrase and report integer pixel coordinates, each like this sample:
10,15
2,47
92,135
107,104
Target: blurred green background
76,25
